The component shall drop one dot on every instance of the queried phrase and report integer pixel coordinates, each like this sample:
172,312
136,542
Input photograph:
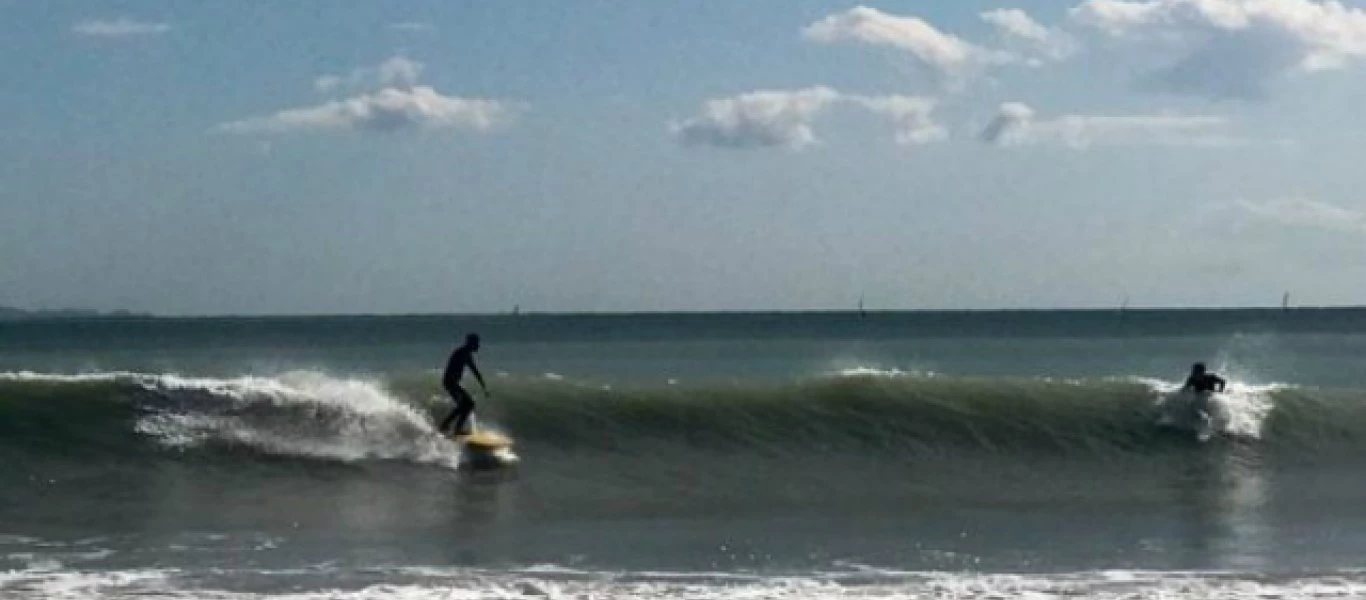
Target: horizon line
125,314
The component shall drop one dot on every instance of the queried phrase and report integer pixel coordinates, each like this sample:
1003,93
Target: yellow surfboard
486,448
485,438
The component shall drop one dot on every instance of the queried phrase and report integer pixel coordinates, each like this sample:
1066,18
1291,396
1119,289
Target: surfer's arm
479,377
1221,382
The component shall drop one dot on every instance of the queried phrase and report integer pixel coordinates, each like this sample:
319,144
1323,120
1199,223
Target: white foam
92,377
1242,408
345,419
863,371
76,585
457,584
1247,408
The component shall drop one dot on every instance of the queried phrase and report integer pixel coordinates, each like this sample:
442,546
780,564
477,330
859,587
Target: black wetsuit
464,403
1205,383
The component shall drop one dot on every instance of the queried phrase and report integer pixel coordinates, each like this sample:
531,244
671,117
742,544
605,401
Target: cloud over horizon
395,103
1230,48
121,27
910,115
943,53
765,118
1015,124
1210,48
1305,213
783,118
412,26
1032,38
389,109
398,72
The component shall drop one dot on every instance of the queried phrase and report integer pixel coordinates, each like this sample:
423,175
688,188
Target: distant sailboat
1285,301
861,312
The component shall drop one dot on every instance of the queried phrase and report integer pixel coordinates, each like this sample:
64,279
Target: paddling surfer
1203,383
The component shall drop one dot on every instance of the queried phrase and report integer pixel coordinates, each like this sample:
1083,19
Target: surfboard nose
479,457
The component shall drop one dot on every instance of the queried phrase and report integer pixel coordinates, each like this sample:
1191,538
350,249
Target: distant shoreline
19,314
16,314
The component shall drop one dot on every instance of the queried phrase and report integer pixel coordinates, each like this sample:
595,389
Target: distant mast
861,312
1285,301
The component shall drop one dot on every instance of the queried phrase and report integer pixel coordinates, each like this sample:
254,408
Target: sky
413,157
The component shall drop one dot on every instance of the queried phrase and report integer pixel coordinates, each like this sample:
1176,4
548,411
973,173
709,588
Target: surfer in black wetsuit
1203,381
455,367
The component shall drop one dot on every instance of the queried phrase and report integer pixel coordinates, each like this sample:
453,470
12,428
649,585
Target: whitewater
886,455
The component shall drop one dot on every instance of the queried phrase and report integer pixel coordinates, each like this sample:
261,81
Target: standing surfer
455,367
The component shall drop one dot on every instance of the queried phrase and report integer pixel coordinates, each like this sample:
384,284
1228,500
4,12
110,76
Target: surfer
1203,381
455,367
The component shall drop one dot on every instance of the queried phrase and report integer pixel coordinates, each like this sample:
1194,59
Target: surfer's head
472,340
1198,368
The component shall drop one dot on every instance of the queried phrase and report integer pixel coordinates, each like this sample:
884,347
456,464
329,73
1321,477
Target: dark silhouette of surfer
455,368
1203,381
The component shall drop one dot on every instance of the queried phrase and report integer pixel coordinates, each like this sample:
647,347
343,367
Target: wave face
300,414
912,416
891,413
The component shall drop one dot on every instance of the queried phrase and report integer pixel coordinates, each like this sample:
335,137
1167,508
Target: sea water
796,455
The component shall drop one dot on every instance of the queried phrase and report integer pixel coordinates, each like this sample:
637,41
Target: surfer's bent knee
460,397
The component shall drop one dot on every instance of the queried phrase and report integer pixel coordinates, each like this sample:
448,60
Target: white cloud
1232,48
412,26
773,118
121,27
1015,124
1018,27
397,72
758,119
388,109
910,114
393,100
1305,213
1114,17
944,53
1018,23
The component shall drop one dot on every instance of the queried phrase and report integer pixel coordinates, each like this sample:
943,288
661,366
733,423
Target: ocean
799,456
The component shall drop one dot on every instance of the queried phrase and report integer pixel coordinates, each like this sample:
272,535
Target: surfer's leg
455,392
446,423
464,405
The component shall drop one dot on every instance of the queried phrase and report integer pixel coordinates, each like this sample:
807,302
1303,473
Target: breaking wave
319,416
417,583
299,414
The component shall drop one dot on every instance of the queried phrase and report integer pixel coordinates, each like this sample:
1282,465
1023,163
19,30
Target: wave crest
896,415
297,414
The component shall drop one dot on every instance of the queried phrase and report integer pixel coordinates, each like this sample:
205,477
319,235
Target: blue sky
321,157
